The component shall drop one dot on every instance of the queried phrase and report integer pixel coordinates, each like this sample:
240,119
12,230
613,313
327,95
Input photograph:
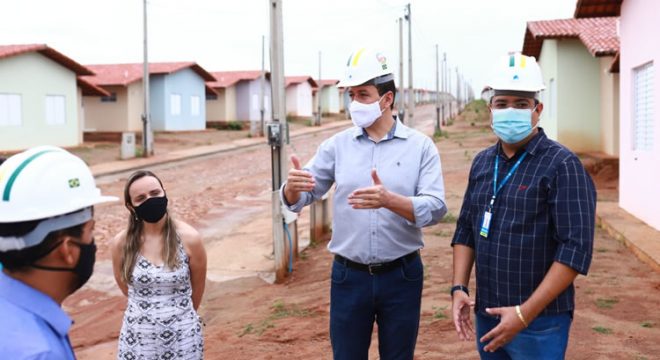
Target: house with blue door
177,97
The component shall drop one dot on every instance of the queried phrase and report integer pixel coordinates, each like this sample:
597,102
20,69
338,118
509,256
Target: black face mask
85,266
152,210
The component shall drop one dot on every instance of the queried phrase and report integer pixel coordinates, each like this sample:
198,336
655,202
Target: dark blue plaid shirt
544,213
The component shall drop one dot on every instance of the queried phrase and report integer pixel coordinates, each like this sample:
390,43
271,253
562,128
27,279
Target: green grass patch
647,324
449,218
279,310
439,312
443,233
282,310
602,330
438,135
257,329
606,303
602,250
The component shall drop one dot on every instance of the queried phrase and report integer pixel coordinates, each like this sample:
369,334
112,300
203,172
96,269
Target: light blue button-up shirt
33,325
408,164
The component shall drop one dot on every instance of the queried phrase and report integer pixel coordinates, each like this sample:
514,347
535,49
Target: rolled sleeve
428,210
299,205
429,200
322,167
573,210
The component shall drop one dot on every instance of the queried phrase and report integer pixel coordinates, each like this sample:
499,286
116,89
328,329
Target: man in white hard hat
46,248
527,222
388,186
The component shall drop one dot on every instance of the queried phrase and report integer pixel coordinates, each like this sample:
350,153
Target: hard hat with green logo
517,72
364,65
43,183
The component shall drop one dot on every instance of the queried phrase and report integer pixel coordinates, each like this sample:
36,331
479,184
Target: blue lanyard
496,188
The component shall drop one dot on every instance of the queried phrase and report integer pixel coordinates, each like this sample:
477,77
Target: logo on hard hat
74,183
382,60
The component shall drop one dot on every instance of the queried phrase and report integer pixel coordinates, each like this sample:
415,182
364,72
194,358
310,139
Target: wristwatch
461,288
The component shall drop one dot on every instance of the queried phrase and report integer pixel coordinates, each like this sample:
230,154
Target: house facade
581,95
177,97
40,97
299,95
639,192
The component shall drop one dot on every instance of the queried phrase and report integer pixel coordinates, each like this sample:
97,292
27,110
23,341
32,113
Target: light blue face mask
512,125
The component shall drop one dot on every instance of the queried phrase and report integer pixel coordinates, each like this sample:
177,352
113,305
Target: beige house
41,97
581,98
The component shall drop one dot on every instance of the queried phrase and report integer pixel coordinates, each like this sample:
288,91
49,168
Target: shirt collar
35,302
398,130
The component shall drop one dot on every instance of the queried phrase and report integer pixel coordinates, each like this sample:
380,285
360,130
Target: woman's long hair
134,231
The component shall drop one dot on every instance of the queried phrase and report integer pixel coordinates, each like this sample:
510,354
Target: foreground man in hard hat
46,247
527,222
389,186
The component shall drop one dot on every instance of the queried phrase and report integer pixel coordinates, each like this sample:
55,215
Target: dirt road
227,197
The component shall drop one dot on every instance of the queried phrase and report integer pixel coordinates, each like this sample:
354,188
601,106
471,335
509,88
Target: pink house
639,158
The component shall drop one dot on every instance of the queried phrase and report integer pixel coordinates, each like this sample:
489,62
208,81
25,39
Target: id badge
485,224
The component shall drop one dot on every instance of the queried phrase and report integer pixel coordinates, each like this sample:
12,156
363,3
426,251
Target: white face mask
364,115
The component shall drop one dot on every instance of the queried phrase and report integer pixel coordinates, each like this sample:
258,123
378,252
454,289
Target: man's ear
67,252
539,108
391,99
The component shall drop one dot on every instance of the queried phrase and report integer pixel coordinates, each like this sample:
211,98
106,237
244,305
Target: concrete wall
135,106
639,177
254,95
33,77
609,107
330,100
299,100
224,107
185,83
548,63
578,94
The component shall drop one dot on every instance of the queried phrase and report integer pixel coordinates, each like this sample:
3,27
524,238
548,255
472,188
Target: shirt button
373,233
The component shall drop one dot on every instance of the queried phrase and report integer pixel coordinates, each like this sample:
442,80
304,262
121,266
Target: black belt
377,268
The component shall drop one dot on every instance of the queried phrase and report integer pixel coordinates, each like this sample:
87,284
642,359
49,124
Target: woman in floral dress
160,264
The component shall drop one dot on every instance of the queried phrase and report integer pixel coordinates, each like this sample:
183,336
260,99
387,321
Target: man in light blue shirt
388,186
46,248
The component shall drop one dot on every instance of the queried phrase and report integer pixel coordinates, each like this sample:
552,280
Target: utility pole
437,91
444,86
402,86
318,95
458,90
147,135
262,88
451,97
277,135
411,93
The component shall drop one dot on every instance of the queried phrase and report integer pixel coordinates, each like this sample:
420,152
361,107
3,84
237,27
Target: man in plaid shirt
527,223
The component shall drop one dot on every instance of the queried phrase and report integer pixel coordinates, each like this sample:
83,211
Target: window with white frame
642,107
10,110
55,110
195,105
175,104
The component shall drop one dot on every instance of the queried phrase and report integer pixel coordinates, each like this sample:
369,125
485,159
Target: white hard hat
517,72
364,65
45,182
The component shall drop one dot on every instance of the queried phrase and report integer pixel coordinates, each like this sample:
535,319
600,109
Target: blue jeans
392,299
546,338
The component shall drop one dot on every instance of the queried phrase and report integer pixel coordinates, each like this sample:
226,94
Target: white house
299,98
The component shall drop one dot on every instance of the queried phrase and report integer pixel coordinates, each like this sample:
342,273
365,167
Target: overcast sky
226,34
